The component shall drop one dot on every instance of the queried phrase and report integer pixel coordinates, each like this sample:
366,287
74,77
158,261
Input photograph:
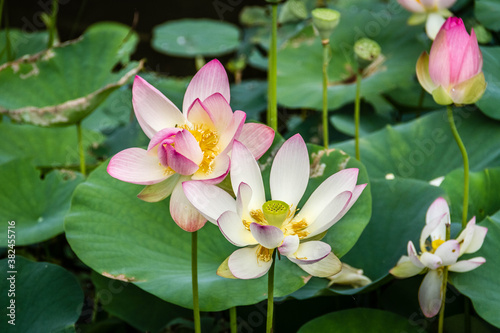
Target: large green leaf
19,43
481,284
194,37
37,206
483,193
47,297
491,68
48,147
425,149
144,311
300,61
62,85
487,13
360,320
115,233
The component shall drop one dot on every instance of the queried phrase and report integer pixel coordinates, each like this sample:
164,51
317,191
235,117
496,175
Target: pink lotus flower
259,226
193,144
432,12
452,72
437,253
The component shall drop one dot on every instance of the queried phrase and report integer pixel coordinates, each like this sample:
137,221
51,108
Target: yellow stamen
208,139
258,216
436,243
263,253
297,228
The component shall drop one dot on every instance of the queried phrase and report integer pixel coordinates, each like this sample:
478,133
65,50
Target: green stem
466,164
232,320
356,115
80,148
272,103
326,49
194,281
53,19
270,295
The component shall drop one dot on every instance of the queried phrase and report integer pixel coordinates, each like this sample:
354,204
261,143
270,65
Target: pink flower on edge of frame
192,144
437,253
452,72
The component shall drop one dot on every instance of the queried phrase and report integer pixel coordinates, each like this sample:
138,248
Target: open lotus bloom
438,253
432,12
259,226
192,144
452,72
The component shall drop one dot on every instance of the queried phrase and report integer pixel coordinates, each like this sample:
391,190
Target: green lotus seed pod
324,21
366,51
275,212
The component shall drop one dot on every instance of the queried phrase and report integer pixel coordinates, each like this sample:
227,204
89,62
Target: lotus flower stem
232,320
52,28
356,115
270,295
194,281
326,49
272,104
466,164
80,148
445,283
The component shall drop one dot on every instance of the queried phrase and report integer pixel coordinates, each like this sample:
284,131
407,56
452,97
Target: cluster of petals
452,72
242,222
192,144
432,12
437,253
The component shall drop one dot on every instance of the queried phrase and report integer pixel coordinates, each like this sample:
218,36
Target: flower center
296,228
436,243
275,212
207,139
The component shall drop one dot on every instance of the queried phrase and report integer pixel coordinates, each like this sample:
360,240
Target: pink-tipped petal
290,172
431,261
443,4
439,60
356,193
135,165
257,138
244,169
328,216
243,198
344,180
232,131
412,255
198,114
310,252
178,162
436,218
220,110
448,252
457,40
405,268
153,110
187,146
210,79
472,61
183,212
467,265
234,230
328,266
211,201
430,294
161,136
412,6
245,264
219,170
268,236
472,237
290,245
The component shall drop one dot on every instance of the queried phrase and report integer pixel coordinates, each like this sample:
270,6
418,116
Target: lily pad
21,43
37,206
483,193
47,297
360,320
140,309
425,149
491,68
118,235
486,12
62,85
47,147
300,61
195,37
481,284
